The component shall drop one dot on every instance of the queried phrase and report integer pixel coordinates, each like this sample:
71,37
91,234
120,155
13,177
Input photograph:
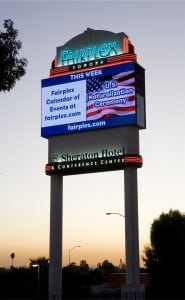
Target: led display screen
93,99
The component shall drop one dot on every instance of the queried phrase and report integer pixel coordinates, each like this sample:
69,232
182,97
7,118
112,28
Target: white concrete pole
131,227
55,264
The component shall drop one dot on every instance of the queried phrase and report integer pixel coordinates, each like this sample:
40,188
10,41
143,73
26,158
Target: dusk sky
157,29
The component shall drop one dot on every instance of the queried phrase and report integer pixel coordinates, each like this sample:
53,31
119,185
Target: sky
157,29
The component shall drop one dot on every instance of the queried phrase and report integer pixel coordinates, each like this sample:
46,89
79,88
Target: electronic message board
93,99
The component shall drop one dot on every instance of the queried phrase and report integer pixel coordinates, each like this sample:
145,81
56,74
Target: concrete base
55,297
133,292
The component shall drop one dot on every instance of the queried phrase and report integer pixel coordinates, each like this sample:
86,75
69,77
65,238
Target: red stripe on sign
114,108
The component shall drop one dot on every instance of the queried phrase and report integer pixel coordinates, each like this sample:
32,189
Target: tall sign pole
131,226
93,106
133,289
55,260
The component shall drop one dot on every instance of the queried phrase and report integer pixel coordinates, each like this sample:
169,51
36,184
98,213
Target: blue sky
157,31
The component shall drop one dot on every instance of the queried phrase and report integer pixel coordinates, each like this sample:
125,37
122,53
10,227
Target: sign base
55,297
133,292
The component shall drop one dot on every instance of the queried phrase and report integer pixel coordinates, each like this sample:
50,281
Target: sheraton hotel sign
89,162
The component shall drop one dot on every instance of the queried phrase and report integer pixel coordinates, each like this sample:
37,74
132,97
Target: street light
70,252
115,213
38,277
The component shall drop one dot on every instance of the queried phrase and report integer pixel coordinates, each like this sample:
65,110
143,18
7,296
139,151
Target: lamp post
115,213
38,278
70,252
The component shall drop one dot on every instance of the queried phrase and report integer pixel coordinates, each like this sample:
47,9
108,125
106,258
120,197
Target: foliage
165,259
41,261
76,279
18,283
11,67
121,267
106,266
84,266
81,277
12,256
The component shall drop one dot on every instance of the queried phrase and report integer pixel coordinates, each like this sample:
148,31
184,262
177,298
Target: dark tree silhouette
165,259
41,261
106,266
84,266
12,255
11,67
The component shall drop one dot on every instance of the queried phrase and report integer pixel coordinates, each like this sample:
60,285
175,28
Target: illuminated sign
91,49
94,164
91,45
87,155
90,64
93,99
70,57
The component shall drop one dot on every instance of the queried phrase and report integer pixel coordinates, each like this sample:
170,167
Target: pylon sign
93,106
95,88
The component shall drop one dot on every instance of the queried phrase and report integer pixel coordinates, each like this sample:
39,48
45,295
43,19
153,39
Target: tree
41,261
11,67
121,267
106,266
84,266
165,259
12,255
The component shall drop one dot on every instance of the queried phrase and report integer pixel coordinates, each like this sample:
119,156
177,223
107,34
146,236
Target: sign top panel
97,46
89,46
